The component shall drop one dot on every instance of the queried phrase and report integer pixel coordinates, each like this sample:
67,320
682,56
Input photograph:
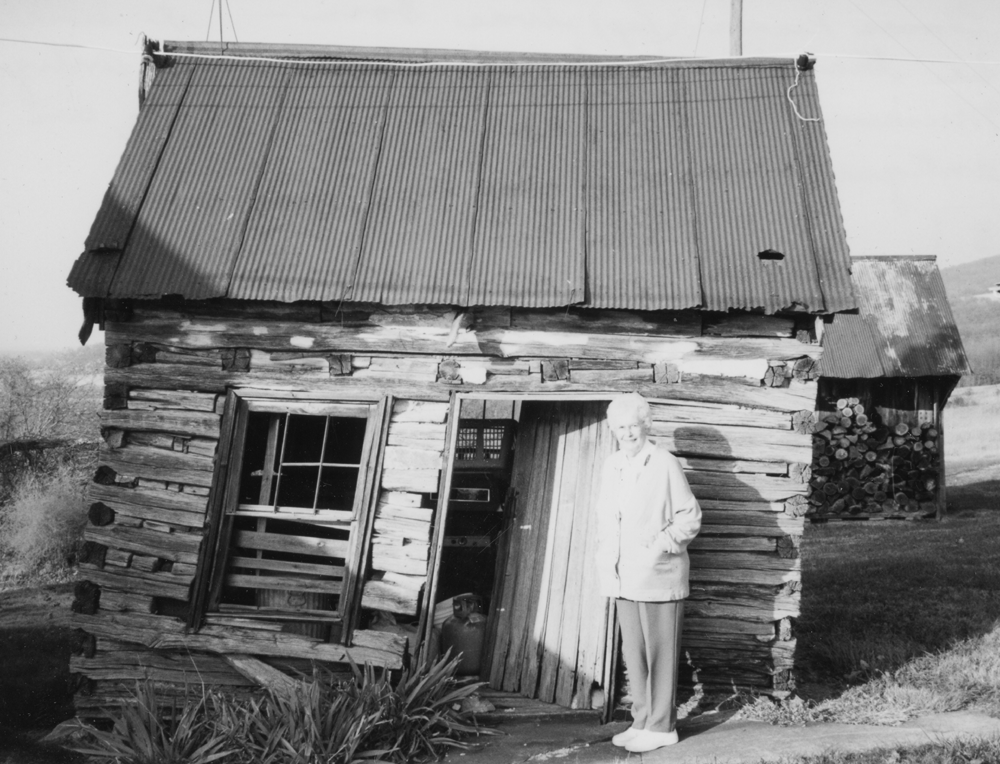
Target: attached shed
893,364
363,310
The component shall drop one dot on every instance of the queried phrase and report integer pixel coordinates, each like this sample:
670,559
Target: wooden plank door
549,626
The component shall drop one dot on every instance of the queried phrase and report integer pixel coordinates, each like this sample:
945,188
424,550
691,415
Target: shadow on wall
550,635
745,567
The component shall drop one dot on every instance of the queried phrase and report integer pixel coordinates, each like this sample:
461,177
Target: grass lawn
877,595
899,619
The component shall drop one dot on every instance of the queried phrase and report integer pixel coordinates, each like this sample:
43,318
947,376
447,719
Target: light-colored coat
646,517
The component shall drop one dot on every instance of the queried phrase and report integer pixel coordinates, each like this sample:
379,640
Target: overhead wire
632,62
936,75
701,23
232,23
69,45
211,14
945,44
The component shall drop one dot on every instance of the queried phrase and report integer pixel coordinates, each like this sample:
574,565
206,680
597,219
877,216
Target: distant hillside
977,316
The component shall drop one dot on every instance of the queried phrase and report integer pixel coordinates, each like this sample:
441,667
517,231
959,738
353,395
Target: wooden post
736,28
942,487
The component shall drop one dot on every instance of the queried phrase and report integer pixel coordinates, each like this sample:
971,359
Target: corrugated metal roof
640,191
529,242
420,227
305,235
904,326
649,186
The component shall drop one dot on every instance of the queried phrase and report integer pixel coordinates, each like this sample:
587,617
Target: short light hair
628,403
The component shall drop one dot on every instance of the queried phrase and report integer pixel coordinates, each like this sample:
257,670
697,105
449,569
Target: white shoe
623,737
649,741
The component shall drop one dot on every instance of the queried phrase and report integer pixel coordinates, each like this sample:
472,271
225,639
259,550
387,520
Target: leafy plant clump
149,732
368,718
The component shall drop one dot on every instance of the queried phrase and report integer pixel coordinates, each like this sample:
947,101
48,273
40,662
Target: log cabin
885,377
363,311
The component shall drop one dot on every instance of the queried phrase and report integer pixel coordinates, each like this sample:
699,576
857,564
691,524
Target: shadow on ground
36,690
976,495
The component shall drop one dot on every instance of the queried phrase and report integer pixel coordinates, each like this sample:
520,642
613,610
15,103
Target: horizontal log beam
692,388
530,341
137,582
172,399
164,633
157,464
191,423
148,497
177,547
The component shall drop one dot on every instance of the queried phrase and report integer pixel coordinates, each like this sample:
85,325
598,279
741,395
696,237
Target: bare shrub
41,527
48,415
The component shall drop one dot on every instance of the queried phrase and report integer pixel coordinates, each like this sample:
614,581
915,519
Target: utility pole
736,28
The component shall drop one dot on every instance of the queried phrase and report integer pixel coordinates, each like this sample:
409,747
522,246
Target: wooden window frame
224,505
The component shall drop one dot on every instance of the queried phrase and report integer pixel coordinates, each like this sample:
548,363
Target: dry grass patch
41,528
968,751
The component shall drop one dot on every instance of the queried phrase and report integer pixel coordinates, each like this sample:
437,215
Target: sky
915,145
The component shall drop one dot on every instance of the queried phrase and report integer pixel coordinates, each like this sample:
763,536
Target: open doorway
529,554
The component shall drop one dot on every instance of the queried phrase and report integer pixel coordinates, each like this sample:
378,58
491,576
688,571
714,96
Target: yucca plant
368,718
316,723
146,732
421,714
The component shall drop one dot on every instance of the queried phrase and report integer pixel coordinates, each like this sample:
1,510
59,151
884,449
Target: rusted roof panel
819,195
109,233
191,225
304,236
642,247
904,326
630,186
418,241
529,237
748,192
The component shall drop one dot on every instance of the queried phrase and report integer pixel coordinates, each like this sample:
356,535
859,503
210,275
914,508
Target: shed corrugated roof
904,326
629,185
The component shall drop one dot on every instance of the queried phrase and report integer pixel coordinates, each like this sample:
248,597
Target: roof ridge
442,56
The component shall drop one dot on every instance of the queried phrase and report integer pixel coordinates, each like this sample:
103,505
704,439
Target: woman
647,516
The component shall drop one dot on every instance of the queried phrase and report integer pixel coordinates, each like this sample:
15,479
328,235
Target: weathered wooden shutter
549,628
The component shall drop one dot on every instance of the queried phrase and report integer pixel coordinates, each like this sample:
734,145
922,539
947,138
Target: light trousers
651,642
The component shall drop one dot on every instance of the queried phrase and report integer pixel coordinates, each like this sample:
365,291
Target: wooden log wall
750,381
412,464
749,469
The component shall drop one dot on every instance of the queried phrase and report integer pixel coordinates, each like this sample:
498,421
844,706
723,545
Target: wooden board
732,442
548,631
201,423
166,633
158,464
274,542
177,547
512,342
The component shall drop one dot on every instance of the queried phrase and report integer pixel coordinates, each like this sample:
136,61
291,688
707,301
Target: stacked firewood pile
861,466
